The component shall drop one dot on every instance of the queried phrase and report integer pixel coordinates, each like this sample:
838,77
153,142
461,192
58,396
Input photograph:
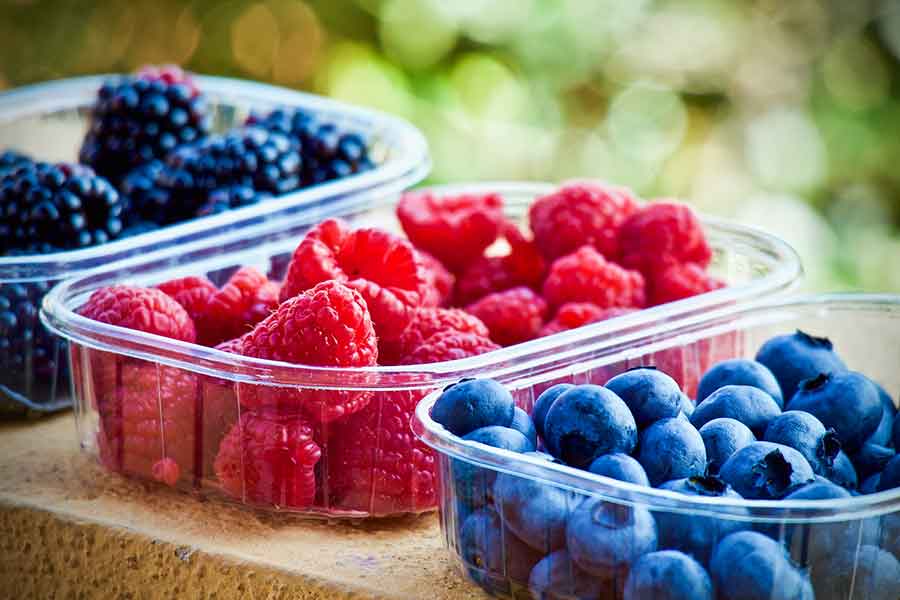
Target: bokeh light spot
416,33
254,39
855,74
646,122
785,151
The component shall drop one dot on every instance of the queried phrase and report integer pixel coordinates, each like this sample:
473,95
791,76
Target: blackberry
146,201
227,198
49,207
11,160
139,118
328,152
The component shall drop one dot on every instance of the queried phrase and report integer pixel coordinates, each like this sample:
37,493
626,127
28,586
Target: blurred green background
779,114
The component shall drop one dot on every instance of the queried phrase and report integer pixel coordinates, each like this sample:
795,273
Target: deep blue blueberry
739,371
501,437
650,394
766,471
842,472
621,467
749,405
871,459
870,485
533,510
851,571
605,538
474,484
687,406
544,402
722,438
494,556
882,434
818,490
667,575
751,566
793,358
895,432
806,434
556,577
671,449
472,404
695,534
890,476
846,402
588,421
522,423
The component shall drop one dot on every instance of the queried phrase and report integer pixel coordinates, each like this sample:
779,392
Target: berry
454,229
449,345
512,316
522,423
575,314
871,459
806,434
427,322
662,233
586,422
671,449
752,566
11,160
193,294
383,268
485,275
524,261
143,117
798,356
492,555
534,511
621,467
739,371
849,570
895,432
501,437
578,214
474,484
556,577
749,405
842,472
144,309
47,207
28,352
147,201
890,476
723,437
819,490
269,459
585,276
544,402
605,539
472,404
667,575
650,394
231,346
882,435
231,197
679,281
247,298
766,471
440,280
328,326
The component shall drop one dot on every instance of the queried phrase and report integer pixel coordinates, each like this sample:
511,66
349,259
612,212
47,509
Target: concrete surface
71,531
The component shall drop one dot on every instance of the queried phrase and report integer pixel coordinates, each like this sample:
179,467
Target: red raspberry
270,460
232,346
511,316
144,309
383,268
449,345
680,280
455,229
524,260
441,280
328,325
247,298
429,321
662,233
193,294
580,213
575,314
585,276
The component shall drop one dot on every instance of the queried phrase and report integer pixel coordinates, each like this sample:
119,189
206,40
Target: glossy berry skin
544,402
605,539
739,371
534,511
667,575
621,467
882,435
10,160
749,405
766,471
556,577
671,449
722,438
798,356
472,404
890,476
846,402
650,394
818,490
696,535
871,459
588,421
747,565
522,423
493,555
806,434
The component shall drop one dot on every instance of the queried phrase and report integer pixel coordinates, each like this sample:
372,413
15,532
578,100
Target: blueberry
474,484
895,432
890,476
556,577
687,406
793,358
766,471
473,403
671,449
587,421
747,565
882,434
856,572
605,538
806,434
544,402
842,472
501,437
870,485
739,371
522,423
620,467
818,490
749,405
722,438
695,534
871,459
667,575
650,394
534,511
493,556
846,402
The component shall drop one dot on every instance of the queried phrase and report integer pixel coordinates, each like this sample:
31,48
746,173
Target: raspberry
144,309
269,459
383,268
524,260
678,281
585,276
193,294
231,346
512,316
441,280
580,213
428,322
662,233
247,298
455,229
328,325
576,314
449,345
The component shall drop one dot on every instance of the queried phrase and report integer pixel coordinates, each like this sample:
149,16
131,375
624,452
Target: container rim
438,438
407,163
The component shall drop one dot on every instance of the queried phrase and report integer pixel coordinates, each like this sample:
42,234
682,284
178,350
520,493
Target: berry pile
793,424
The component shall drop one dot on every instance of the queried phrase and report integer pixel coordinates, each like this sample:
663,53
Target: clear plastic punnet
49,120
841,549
193,400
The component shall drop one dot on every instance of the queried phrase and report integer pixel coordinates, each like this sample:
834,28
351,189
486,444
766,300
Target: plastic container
349,478
49,121
841,542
